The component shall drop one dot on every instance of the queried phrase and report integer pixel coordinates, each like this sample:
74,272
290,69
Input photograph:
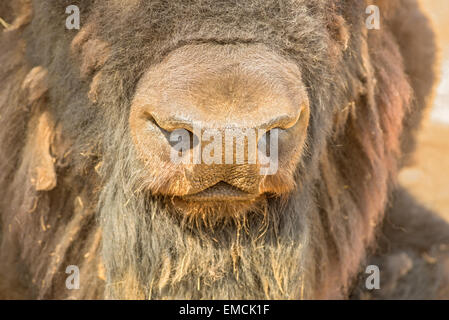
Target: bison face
219,128
227,149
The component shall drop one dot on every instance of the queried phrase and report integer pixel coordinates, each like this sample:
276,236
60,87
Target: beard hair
151,252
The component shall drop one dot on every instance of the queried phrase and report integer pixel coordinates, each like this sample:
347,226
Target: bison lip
221,191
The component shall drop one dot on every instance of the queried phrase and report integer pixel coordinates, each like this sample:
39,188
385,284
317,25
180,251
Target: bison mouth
221,191
218,204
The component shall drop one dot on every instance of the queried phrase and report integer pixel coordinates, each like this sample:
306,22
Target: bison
88,179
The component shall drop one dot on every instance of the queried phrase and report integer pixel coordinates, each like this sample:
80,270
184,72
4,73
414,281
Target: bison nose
245,110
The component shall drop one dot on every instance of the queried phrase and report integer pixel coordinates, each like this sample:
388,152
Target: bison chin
151,251
217,213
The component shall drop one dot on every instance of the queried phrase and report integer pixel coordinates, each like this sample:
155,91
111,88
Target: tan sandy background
428,177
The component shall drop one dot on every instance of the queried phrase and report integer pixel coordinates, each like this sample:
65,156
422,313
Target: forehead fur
144,31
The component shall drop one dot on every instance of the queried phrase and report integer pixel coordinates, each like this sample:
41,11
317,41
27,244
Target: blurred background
428,177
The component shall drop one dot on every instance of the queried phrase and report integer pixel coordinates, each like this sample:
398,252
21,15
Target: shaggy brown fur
72,183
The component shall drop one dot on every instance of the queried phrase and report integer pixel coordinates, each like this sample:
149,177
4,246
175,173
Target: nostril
280,123
169,125
156,123
153,121
283,121
171,129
